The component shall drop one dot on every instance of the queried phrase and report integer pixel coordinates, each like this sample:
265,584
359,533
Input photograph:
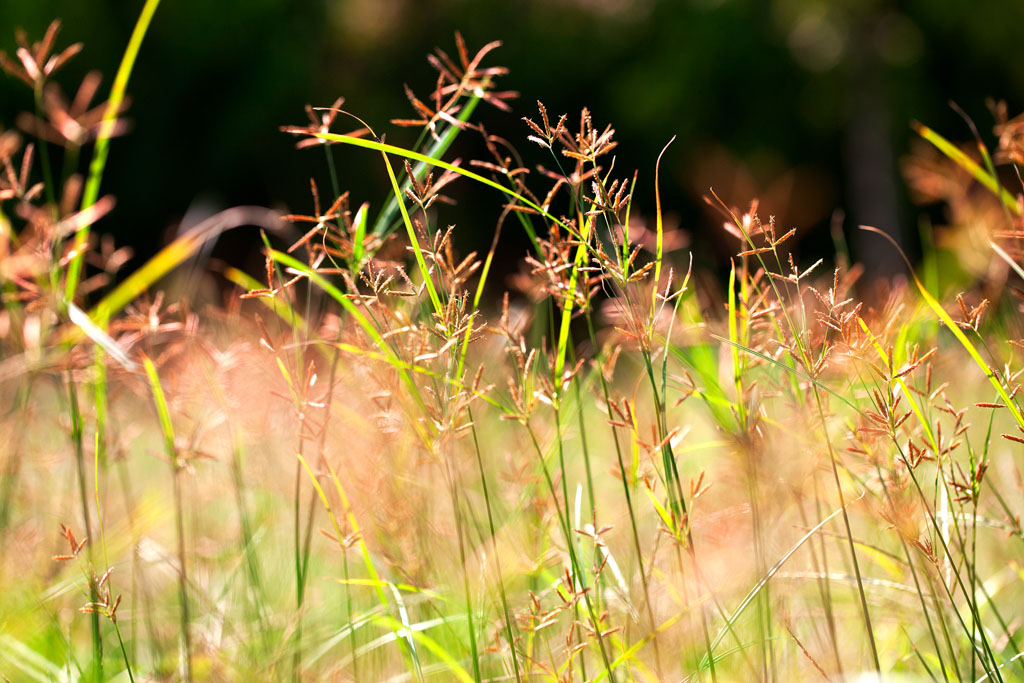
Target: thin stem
625,478
570,546
76,439
494,549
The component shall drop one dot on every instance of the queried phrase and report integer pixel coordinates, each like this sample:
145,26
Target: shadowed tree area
805,104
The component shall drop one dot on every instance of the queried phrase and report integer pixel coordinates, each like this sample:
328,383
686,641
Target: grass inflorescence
372,463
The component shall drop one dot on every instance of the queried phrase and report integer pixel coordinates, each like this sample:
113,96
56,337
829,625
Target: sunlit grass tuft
358,467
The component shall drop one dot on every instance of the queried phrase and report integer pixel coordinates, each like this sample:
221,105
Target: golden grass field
372,463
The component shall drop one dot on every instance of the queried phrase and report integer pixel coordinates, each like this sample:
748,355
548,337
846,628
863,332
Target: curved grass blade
968,164
416,156
957,332
764,581
436,151
101,338
563,330
659,225
167,428
178,251
411,232
359,236
102,147
431,645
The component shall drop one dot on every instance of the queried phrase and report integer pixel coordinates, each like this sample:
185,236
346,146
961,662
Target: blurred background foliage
804,103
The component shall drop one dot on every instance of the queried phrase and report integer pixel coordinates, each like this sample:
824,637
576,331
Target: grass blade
102,147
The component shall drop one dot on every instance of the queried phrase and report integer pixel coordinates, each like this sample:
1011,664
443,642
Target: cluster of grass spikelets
363,468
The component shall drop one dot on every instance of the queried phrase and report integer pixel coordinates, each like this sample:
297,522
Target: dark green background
828,88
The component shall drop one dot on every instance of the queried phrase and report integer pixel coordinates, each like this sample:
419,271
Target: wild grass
377,464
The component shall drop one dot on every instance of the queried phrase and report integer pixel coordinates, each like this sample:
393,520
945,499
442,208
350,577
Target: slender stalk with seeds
77,442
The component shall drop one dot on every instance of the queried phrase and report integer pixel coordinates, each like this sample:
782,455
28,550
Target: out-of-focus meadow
483,403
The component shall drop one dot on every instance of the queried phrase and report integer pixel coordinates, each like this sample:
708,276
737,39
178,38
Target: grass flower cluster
372,463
